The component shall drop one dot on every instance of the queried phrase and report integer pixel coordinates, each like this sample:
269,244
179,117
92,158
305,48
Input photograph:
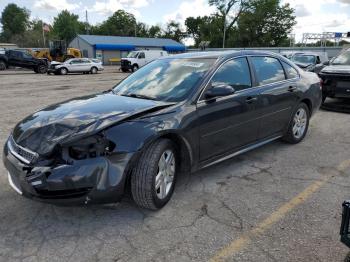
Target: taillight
321,83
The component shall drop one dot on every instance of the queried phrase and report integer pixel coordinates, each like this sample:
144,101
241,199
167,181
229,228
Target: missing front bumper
95,180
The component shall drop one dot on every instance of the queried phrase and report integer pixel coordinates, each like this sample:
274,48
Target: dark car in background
336,77
310,61
23,59
176,114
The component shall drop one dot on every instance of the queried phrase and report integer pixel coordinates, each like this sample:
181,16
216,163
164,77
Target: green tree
14,20
155,31
265,23
121,23
173,31
66,26
206,28
229,11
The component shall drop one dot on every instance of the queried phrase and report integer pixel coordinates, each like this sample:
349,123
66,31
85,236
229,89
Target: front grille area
125,62
23,154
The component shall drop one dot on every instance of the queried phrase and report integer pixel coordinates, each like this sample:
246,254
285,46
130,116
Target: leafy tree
206,28
229,11
141,30
173,31
121,23
265,23
66,26
155,31
14,20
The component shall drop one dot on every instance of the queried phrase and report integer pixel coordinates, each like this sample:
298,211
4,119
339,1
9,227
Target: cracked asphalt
209,210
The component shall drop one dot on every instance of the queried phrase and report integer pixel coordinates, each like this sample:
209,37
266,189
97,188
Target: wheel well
183,150
308,103
135,65
93,67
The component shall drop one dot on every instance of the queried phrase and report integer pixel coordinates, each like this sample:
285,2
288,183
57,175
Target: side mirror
326,63
219,90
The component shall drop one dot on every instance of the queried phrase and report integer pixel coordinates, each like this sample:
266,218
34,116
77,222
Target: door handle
292,88
251,99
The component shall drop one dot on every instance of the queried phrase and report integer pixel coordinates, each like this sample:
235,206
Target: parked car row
334,73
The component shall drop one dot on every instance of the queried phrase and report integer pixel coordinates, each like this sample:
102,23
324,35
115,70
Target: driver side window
234,73
141,55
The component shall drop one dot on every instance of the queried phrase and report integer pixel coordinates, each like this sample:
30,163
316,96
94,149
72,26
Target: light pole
224,37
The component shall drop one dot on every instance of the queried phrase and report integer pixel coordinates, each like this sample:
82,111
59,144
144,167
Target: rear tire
153,179
299,125
41,69
2,66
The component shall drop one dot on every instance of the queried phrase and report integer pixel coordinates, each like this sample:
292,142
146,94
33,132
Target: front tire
299,125
63,71
153,179
135,68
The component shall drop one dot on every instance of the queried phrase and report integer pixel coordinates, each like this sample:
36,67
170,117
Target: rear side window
235,73
290,71
268,69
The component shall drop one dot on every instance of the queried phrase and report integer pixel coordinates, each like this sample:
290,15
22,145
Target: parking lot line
246,238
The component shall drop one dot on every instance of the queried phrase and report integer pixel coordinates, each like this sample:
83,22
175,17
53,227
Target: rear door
278,91
228,123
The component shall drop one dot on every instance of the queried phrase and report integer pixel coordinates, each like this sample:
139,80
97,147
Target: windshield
342,59
165,79
305,59
132,54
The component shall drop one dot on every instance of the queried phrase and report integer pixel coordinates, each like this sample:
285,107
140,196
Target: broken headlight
91,147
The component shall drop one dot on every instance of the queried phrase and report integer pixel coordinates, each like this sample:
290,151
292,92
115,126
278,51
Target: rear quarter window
268,69
290,71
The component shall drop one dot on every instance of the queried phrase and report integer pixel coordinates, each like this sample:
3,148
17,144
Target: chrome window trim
200,101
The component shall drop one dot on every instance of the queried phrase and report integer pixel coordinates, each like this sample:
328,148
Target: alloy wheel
165,176
300,122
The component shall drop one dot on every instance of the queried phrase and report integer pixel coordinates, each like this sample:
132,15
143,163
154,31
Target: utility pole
86,23
42,28
224,37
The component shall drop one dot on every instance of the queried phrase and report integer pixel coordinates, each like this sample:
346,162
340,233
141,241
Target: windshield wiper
139,96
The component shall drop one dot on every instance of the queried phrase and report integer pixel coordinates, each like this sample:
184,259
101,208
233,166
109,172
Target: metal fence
331,51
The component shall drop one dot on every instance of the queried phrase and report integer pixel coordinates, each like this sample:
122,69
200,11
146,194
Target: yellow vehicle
57,52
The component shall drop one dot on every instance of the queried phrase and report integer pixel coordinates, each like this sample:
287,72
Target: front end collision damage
91,168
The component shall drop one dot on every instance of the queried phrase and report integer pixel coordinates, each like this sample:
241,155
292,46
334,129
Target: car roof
221,54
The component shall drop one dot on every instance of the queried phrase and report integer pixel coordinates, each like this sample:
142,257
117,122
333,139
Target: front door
228,123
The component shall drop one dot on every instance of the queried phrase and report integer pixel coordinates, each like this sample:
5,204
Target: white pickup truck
137,59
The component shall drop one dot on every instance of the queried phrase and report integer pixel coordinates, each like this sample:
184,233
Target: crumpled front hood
303,65
337,69
66,121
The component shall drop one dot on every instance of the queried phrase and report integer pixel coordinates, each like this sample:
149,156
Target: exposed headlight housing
91,147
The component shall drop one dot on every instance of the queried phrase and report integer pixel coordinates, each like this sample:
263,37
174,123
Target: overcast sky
312,15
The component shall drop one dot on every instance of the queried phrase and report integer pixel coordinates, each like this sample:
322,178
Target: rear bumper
337,86
344,228
97,180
